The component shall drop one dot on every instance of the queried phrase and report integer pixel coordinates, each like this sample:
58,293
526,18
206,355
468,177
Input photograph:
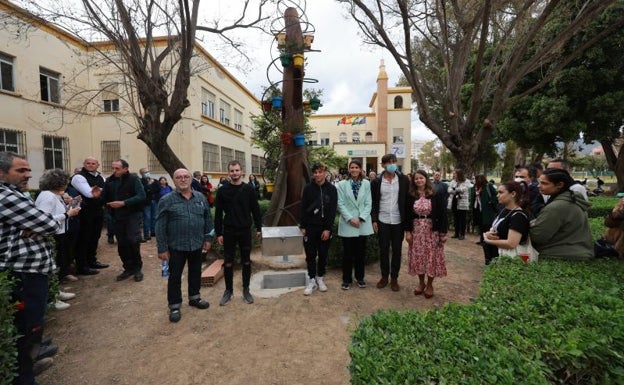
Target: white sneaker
64,296
321,285
311,287
60,305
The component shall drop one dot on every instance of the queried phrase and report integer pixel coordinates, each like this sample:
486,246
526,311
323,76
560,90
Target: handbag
525,251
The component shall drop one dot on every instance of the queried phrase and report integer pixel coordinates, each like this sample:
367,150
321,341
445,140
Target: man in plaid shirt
25,253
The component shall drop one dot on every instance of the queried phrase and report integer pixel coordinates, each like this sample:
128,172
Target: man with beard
25,253
236,204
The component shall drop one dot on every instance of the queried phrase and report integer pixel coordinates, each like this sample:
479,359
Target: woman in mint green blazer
355,225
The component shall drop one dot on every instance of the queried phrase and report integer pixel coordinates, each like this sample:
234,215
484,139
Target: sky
346,69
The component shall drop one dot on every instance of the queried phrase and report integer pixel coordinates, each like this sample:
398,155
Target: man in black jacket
125,196
389,192
236,204
318,211
89,183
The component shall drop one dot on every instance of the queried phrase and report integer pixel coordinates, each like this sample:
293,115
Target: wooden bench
212,273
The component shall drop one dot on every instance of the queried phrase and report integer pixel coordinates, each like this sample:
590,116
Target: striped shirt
183,224
26,254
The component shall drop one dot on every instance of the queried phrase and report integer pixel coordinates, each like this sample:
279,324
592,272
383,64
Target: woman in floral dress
426,232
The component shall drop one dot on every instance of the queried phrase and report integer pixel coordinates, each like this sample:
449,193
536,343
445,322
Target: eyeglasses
183,177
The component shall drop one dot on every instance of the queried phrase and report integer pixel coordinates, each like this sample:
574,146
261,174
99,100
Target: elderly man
183,229
124,195
89,183
25,253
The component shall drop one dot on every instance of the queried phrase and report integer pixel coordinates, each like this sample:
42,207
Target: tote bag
525,252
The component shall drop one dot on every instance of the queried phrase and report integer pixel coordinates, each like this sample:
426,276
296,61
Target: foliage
601,206
8,335
464,63
562,328
328,156
584,98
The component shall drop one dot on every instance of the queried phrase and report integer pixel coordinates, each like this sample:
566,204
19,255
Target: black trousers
63,255
390,236
31,291
232,238
459,217
91,222
314,246
354,258
128,233
177,259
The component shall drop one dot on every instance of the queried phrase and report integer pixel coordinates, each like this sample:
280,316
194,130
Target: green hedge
601,206
553,322
8,334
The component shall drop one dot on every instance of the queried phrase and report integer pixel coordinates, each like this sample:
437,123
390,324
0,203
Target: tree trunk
293,173
155,137
615,162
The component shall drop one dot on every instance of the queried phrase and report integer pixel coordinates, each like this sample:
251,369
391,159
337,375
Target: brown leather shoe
383,282
394,284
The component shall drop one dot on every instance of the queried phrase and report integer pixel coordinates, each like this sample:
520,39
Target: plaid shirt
24,254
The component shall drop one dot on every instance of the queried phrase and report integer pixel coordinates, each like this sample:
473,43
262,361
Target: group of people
71,211
392,205
545,208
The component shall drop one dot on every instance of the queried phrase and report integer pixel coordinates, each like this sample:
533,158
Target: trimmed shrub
553,322
601,206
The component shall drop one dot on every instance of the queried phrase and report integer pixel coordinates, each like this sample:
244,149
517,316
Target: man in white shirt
389,192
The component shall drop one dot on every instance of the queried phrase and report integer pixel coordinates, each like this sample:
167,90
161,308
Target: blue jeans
177,259
149,219
31,289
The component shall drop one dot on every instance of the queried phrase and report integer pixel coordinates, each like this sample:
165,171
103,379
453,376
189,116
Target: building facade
368,136
61,102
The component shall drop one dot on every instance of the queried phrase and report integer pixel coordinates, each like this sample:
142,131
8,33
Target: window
55,152
313,143
397,135
238,120
355,137
153,163
398,102
324,139
227,155
208,104
368,137
224,113
49,84
240,157
342,137
6,73
111,151
256,164
110,97
12,141
210,157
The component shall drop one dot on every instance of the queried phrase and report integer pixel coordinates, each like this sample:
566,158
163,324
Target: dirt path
119,332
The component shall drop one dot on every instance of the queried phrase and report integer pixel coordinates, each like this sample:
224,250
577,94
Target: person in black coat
318,211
